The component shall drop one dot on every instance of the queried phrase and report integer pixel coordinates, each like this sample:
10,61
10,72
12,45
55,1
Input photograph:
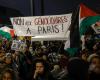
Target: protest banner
18,45
41,25
15,45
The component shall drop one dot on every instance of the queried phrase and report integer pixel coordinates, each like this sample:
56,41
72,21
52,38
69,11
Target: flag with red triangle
82,19
87,18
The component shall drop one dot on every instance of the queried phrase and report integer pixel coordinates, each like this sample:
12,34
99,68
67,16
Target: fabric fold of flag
87,18
74,38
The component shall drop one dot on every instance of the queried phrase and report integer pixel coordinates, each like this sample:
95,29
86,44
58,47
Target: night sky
51,7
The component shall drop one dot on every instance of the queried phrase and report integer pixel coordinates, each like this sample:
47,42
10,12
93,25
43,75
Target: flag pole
32,7
42,7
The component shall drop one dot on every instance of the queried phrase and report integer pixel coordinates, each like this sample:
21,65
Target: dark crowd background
47,60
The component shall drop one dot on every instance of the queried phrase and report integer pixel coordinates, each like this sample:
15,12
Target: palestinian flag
72,45
87,18
82,19
5,35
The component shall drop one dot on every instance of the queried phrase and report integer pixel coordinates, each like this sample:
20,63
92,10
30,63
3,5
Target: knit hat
91,57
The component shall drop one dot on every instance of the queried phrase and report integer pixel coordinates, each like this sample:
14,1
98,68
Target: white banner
51,37
41,25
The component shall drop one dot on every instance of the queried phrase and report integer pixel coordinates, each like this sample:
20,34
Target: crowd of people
48,61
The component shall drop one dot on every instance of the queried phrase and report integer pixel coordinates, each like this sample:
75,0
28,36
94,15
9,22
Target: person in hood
77,69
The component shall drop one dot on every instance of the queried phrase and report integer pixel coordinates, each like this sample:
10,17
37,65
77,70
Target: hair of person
8,70
45,64
77,69
98,57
